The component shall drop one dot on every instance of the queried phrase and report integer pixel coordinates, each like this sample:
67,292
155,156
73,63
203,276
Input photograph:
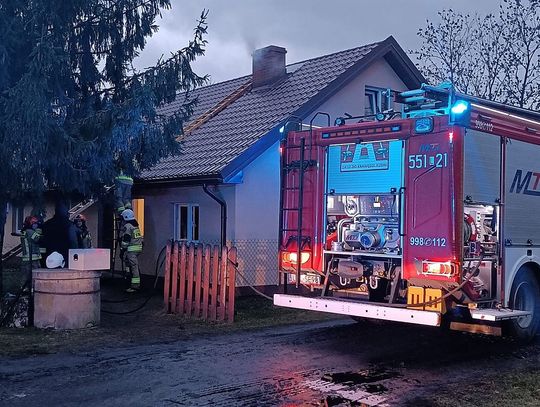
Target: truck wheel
525,296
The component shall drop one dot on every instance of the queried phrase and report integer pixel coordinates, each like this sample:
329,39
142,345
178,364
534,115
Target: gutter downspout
223,205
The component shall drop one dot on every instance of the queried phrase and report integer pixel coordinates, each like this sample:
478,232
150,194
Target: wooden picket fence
200,281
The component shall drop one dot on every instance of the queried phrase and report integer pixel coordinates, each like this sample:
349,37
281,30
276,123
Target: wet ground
319,364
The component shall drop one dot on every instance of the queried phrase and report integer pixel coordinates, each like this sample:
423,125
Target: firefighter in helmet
122,192
131,247
84,239
42,248
30,237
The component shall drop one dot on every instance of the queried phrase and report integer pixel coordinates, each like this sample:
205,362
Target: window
138,210
17,217
186,222
376,100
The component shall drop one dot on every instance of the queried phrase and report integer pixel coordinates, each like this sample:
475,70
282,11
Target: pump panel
365,168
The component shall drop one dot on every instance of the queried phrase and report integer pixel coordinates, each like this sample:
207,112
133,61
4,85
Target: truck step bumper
358,309
497,314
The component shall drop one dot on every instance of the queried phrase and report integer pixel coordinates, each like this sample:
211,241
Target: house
225,186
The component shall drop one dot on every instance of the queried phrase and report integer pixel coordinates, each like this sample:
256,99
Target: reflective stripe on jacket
124,179
132,240
30,244
42,248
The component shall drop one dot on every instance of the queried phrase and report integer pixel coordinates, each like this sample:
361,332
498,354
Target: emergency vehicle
427,216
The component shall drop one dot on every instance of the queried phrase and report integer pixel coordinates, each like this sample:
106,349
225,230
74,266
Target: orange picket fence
200,281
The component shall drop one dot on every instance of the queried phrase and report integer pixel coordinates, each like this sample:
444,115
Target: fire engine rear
426,218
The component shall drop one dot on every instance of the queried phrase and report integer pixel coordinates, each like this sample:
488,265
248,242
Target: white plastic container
89,259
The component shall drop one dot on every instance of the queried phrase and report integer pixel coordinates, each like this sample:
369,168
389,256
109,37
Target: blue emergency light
460,107
460,113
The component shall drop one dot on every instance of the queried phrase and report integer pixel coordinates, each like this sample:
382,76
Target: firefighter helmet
55,260
30,220
128,214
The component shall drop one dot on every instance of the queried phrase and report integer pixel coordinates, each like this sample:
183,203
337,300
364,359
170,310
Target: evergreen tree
73,110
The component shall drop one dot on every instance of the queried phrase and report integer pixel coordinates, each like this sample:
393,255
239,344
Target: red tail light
292,257
438,268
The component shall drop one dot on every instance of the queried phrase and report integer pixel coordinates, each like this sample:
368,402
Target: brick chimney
268,65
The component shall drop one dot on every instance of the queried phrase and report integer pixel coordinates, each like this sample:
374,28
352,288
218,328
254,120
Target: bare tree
489,57
523,56
496,56
444,55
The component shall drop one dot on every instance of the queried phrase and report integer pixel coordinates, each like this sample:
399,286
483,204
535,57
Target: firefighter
59,232
42,248
30,237
131,247
122,192
84,239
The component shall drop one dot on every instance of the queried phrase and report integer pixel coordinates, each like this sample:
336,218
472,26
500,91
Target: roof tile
211,147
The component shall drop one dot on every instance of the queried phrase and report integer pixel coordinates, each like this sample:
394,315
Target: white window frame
17,217
193,230
376,96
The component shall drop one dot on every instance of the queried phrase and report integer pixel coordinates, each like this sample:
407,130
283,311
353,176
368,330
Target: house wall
351,98
159,218
257,211
252,213
253,204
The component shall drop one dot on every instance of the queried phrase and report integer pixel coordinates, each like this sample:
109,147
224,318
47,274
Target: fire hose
248,284
158,265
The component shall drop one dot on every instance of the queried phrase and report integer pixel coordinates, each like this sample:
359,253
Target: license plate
305,278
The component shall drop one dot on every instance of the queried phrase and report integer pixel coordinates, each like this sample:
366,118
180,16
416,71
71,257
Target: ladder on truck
72,212
287,166
301,165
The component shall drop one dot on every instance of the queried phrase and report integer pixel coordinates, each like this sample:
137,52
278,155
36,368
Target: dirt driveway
321,363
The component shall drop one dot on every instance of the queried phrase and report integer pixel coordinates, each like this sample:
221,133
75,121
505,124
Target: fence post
174,279
215,283
190,272
206,279
231,268
167,278
198,280
223,283
182,293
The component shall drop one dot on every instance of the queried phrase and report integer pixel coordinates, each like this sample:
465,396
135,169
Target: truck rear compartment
419,219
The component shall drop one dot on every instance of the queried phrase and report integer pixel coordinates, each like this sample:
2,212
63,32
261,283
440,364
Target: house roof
232,138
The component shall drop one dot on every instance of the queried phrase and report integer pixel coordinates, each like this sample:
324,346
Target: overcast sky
306,28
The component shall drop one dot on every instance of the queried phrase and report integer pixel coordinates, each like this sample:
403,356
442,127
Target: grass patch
520,387
149,325
256,312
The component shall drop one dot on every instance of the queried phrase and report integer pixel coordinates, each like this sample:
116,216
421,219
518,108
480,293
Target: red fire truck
427,216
